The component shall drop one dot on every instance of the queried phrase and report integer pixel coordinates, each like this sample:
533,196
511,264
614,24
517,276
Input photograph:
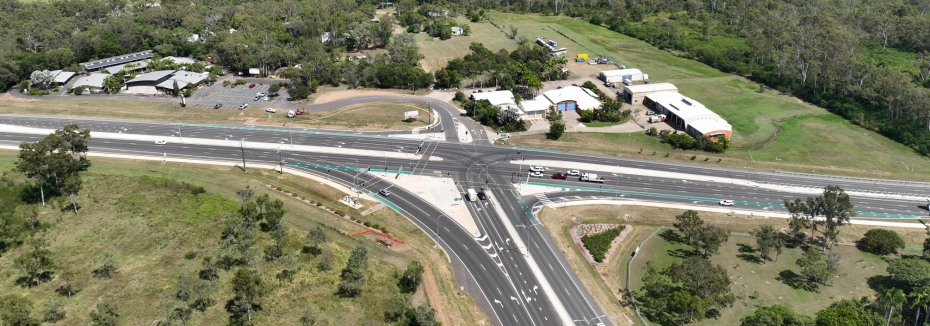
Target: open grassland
771,280
818,141
368,116
457,46
605,281
141,213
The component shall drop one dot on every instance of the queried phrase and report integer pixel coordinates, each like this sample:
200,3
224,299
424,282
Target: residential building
92,83
457,31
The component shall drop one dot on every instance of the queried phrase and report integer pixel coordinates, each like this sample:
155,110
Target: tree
802,214
68,275
326,258
690,225
459,96
52,311
881,242
412,277
711,238
700,278
425,316
909,273
776,315
309,316
106,265
836,209
814,269
589,85
299,92
32,161
274,89
353,276
890,300
194,292
246,284
58,157
16,311
849,312
767,241
36,261
175,88
399,304
105,315
920,298
78,90
556,129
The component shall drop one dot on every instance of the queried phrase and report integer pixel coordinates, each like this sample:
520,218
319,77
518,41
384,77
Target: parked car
161,142
574,84
650,112
480,91
256,98
218,105
537,168
233,85
574,172
264,98
209,83
559,175
384,193
536,174
252,86
271,110
726,202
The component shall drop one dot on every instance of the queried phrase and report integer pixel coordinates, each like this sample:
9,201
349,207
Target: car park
536,174
726,202
161,142
559,175
271,110
218,105
574,173
384,193
537,168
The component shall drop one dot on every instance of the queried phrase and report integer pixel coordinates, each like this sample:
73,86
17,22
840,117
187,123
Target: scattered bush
460,97
240,81
226,83
881,242
410,119
78,90
599,244
190,255
556,129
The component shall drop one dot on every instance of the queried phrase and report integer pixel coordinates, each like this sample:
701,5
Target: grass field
134,210
369,116
605,281
749,276
819,141
485,33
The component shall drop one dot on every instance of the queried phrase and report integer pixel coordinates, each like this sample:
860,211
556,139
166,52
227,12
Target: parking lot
231,97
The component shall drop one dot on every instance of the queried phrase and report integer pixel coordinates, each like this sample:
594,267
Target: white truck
472,194
591,177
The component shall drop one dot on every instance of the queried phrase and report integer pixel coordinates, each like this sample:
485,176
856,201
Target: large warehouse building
688,114
619,75
163,80
634,94
117,60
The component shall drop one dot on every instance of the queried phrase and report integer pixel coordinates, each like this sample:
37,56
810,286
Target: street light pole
750,164
242,148
70,122
178,121
906,175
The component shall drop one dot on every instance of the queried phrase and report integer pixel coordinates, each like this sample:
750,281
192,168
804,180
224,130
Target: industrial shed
92,83
688,114
634,94
619,75
146,83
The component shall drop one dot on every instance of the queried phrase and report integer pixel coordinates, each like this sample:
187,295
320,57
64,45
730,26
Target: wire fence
628,267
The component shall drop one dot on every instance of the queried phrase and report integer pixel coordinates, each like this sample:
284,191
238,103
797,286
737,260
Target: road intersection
513,269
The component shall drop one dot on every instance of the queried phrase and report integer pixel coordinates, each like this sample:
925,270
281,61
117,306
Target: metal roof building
138,65
145,83
634,94
691,115
62,77
117,60
619,75
93,82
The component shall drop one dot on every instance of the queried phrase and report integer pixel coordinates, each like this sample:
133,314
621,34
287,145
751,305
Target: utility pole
750,164
281,162
176,120
242,148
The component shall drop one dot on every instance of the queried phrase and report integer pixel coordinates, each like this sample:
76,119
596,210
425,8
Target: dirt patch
9,98
581,230
349,93
436,298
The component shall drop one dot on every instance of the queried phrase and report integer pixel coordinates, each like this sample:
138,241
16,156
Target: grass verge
366,117
134,210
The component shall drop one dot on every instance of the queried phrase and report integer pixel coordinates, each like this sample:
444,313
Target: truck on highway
472,194
591,177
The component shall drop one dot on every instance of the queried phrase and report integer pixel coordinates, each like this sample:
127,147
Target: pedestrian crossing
543,199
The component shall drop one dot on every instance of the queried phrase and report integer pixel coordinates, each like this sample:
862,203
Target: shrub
599,244
198,190
226,83
556,129
460,97
79,90
300,92
589,85
190,255
652,131
881,242
240,81
410,119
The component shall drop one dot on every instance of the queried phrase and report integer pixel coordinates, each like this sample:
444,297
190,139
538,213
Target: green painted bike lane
694,198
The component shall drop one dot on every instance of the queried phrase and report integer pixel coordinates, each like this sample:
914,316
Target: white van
291,114
472,195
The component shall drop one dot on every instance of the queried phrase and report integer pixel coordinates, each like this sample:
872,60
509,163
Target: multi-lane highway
528,284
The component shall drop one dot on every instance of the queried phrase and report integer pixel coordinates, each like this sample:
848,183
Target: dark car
481,195
559,175
209,83
218,105
233,85
252,86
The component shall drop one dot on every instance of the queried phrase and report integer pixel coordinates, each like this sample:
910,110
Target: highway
507,280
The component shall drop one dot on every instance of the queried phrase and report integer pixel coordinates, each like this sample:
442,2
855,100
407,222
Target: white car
537,168
161,142
536,174
726,202
271,110
574,172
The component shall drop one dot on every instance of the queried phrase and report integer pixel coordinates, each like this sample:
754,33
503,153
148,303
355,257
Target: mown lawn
142,213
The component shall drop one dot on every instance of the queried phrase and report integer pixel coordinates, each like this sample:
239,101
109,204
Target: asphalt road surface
491,268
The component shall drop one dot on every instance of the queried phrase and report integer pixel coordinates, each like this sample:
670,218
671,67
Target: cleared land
815,141
132,209
457,46
369,116
605,282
